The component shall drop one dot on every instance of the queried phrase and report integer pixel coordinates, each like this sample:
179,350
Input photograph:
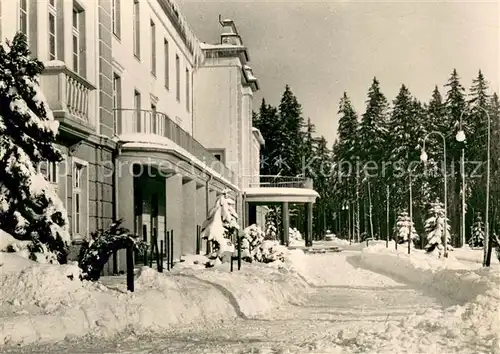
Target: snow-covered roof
280,194
150,141
258,135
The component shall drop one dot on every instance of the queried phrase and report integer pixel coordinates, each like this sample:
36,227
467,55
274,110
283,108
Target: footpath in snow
343,308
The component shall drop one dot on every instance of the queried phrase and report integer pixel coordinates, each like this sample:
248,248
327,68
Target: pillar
309,230
174,203
212,197
201,212
125,207
286,224
247,220
188,237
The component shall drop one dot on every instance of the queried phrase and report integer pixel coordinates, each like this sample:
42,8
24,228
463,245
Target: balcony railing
265,181
67,93
129,121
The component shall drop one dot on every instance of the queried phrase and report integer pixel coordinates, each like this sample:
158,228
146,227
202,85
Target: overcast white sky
324,48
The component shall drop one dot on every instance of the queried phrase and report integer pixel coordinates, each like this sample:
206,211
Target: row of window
79,192
136,29
78,27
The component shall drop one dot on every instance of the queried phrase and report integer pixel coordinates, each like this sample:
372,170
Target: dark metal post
171,248
130,268
167,246
145,239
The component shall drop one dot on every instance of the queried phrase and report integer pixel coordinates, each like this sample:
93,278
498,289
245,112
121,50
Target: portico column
174,210
309,207
124,178
286,224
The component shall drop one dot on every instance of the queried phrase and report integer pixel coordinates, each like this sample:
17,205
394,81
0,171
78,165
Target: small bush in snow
270,251
436,227
95,253
402,228
254,236
30,209
221,226
477,232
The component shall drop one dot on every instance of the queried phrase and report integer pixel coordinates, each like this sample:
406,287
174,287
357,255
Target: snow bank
450,277
476,321
45,302
473,255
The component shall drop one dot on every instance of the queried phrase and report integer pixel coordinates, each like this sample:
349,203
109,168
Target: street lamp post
387,211
460,137
486,244
411,214
424,158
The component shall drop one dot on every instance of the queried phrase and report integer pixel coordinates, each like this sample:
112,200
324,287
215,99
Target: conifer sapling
436,227
477,233
402,228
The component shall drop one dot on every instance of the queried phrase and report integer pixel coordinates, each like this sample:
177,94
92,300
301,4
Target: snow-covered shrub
402,229
220,226
253,235
436,227
95,253
295,234
30,208
477,232
270,251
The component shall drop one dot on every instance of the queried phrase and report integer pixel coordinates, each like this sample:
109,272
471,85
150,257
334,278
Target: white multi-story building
154,124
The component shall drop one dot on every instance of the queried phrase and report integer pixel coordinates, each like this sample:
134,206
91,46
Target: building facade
137,97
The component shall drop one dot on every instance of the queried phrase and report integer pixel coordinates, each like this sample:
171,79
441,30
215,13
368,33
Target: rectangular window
23,17
136,29
80,200
50,171
137,108
116,18
153,48
52,30
154,117
76,39
187,89
117,103
167,66
177,78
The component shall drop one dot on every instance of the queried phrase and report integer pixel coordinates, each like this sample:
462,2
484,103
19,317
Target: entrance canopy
271,195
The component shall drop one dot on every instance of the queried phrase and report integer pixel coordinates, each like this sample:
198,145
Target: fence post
161,255
154,247
145,239
198,240
167,245
239,236
171,249
130,268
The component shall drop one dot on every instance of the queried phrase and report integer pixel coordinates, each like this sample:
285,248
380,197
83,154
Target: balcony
267,190
132,121
70,97
265,181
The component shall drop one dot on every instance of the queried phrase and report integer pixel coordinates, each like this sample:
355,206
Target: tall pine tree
29,207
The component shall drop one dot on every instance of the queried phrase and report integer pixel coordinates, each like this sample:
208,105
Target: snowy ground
345,300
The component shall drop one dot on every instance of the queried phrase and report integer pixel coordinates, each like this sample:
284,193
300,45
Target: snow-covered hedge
256,247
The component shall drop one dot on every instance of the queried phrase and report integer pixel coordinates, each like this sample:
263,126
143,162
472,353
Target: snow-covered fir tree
221,225
436,227
29,206
271,231
402,228
477,232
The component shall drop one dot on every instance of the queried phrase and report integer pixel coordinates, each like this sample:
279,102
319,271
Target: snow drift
46,302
